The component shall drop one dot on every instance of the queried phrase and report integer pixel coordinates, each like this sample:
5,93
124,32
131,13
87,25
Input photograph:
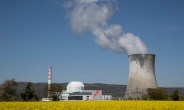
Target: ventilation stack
49,78
141,75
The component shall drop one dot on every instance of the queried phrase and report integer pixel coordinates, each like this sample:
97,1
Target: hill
116,90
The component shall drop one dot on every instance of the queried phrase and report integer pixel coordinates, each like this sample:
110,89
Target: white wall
106,97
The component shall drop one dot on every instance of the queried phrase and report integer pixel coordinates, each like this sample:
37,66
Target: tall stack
141,75
49,78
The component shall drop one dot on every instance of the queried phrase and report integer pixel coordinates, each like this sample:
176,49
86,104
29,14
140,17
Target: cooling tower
141,75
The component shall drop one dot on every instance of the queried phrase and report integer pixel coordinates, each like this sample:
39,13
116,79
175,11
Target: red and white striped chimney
49,77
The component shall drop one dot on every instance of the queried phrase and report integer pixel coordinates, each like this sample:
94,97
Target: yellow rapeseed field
94,105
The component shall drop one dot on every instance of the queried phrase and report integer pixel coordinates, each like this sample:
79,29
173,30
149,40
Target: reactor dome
75,86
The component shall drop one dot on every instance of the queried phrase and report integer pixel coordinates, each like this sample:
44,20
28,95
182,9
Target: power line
180,82
176,81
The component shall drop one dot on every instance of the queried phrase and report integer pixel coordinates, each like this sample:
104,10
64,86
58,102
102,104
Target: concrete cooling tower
141,75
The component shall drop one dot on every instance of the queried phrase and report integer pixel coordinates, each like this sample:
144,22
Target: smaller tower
49,78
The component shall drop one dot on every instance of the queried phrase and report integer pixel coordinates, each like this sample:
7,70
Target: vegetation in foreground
93,105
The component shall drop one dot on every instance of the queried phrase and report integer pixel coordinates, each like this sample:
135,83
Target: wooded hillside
116,90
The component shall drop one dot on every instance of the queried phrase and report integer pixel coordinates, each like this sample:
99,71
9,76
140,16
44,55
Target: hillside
111,89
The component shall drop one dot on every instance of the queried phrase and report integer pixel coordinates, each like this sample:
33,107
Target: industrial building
75,91
141,75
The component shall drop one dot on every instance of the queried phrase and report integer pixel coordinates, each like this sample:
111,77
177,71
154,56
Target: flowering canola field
94,105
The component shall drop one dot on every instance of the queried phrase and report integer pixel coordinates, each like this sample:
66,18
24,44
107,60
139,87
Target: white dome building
75,86
75,91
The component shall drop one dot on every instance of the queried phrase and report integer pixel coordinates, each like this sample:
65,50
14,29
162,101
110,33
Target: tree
129,98
157,94
175,95
8,90
54,93
29,93
144,97
181,98
138,98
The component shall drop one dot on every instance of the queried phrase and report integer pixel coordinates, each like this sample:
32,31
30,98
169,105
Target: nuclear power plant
141,75
75,91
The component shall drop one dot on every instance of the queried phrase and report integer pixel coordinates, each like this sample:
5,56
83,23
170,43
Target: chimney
49,77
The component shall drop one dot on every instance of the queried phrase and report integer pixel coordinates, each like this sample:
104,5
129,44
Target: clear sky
35,34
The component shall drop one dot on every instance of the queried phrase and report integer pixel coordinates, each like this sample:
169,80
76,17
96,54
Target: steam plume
91,16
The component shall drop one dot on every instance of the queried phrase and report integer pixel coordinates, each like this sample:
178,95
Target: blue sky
36,34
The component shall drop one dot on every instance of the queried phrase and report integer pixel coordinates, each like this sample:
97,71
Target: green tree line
161,94
8,92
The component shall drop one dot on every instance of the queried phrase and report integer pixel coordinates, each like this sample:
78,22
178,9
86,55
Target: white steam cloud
91,16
